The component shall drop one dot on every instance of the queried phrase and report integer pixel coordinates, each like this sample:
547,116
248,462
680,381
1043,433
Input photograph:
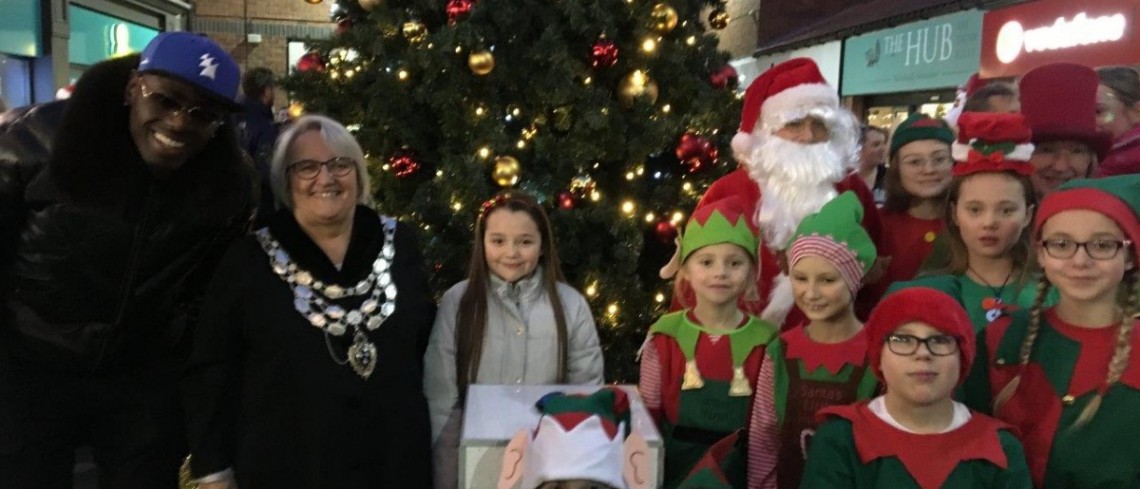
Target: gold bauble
296,109
367,5
481,62
315,2
583,185
636,85
415,31
718,18
506,172
664,18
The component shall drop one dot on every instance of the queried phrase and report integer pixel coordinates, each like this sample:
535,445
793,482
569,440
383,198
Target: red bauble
311,61
457,9
724,77
566,200
344,25
404,163
696,152
604,54
666,231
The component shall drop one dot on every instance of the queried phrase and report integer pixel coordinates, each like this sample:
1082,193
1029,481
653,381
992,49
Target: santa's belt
692,434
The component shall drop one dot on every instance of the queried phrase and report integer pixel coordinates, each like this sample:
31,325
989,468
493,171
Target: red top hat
1059,103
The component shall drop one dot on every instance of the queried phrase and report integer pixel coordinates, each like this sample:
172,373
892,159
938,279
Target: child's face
574,484
718,273
924,168
921,378
819,289
511,244
991,214
1080,277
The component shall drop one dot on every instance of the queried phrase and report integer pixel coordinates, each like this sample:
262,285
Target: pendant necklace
314,299
992,305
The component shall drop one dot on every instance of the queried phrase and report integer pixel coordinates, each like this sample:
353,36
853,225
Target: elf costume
799,376
863,446
1067,369
698,385
580,437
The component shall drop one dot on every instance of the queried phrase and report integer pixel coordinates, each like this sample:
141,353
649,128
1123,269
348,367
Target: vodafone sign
1091,32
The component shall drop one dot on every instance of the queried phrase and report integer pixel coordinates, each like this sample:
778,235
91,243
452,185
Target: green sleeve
832,459
1016,475
975,392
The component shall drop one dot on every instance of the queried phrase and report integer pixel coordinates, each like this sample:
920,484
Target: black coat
101,263
264,396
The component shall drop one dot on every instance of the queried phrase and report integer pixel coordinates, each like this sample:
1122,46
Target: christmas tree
616,114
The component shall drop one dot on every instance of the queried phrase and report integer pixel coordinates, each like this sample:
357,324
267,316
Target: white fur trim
1021,152
742,147
796,99
585,452
780,301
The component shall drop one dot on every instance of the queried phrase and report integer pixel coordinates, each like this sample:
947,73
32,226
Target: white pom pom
780,301
742,147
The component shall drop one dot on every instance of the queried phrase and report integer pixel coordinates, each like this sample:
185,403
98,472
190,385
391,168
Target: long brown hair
898,199
471,316
959,256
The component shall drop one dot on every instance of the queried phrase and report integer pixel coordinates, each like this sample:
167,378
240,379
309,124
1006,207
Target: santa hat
1059,103
1118,198
920,127
722,221
579,437
65,92
992,142
784,93
973,84
920,304
836,235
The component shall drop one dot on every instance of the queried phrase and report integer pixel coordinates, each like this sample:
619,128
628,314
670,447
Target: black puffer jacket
100,262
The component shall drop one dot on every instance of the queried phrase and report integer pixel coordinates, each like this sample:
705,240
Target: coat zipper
131,271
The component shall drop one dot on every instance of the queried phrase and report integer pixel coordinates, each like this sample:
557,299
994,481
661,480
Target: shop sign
96,36
20,28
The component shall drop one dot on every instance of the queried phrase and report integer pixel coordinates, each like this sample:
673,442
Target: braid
1026,344
1120,355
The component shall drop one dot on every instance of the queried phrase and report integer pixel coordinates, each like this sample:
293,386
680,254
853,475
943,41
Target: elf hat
579,437
1116,197
786,92
992,142
920,304
722,221
1059,103
836,235
920,127
709,471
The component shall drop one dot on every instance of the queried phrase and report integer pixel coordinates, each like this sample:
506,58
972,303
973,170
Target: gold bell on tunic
739,386
693,378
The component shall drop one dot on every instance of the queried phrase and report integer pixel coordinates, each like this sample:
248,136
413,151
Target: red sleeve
649,385
763,435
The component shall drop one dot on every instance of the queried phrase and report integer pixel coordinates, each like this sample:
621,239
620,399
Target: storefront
1090,32
826,55
916,67
21,42
114,31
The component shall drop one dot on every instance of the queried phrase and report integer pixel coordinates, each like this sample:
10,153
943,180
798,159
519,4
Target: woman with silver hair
306,364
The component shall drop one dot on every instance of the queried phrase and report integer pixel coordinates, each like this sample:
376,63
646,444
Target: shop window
15,81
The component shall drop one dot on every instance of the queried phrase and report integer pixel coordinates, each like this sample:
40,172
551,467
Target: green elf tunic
857,449
704,386
1067,367
799,377
983,303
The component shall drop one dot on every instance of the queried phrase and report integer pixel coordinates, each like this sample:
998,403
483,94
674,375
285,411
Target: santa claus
797,149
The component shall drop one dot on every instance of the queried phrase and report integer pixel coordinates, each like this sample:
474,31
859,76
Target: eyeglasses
308,169
1097,249
938,345
200,116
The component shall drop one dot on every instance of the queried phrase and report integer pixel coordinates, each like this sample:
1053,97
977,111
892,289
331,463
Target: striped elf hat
836,235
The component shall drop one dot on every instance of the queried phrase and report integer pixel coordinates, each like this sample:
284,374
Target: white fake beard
795,180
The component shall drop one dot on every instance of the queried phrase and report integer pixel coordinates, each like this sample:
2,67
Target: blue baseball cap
197,60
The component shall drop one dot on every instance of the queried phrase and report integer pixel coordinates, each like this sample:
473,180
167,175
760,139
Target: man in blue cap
114,207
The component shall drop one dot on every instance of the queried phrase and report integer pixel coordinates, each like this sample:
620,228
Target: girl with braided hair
1066,376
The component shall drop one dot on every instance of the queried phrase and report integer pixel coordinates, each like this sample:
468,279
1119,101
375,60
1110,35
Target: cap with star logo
197,60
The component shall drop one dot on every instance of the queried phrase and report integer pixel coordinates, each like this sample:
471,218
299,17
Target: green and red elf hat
920,127
723,221
709,472
992,142
579,437
836,235
919,304
1116,197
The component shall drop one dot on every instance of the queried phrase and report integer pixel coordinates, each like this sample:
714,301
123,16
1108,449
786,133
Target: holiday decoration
506,172
414,31
664,18
726,76
582,186
344,25
566,200
665,231
636,85
562,118
404,162
313,2
457,9
718,18
696,152
604,54
311,61
296,109
369,5
481,62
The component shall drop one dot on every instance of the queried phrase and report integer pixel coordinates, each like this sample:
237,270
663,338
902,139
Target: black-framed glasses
308,169
200,116
907,344
1097,249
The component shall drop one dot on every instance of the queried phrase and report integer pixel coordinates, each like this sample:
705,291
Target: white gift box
494,413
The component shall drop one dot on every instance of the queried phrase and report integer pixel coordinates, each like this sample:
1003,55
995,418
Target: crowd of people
946,304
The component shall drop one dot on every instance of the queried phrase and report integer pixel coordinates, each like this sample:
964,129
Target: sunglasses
199,116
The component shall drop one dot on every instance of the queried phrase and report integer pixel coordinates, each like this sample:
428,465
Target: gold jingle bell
635,85
692,378
739,386
506,172
414,31
481,62
664,18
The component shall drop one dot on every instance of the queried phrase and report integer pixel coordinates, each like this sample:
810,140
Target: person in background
1059,103
873,161
994,97
115,207
258,132
1118,112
